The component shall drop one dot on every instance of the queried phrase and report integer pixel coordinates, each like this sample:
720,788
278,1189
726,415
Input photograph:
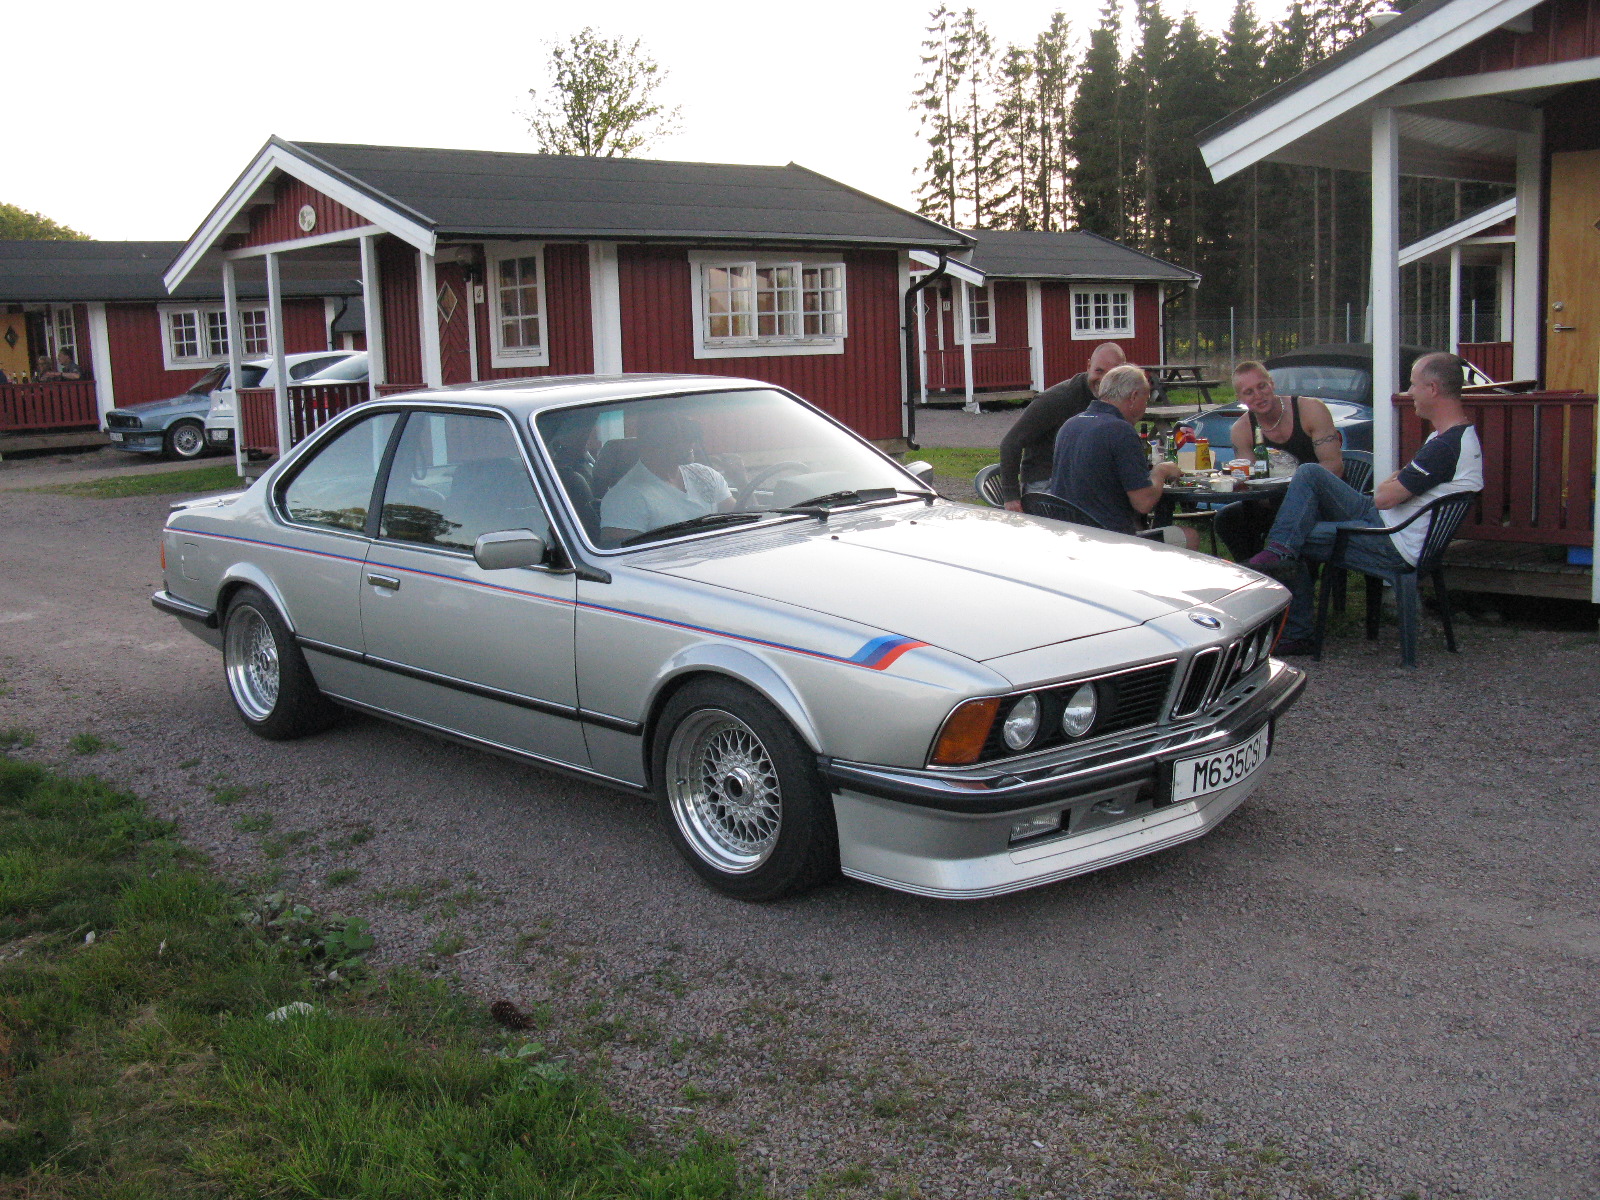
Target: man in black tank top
1297,427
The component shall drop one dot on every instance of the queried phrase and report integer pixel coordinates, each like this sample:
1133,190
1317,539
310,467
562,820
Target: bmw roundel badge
1205,619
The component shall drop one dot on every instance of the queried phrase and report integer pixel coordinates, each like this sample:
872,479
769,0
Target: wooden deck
1516,569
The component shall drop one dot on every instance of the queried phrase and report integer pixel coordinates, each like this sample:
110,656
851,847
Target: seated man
1029,445
666,485
1318,502
1299,427
1103,466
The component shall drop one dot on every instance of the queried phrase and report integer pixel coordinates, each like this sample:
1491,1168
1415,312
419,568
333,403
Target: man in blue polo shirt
1319,502
1102,464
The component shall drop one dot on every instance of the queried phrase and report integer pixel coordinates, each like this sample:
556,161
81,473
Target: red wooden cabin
1496,90
1044,302
482,265
106,305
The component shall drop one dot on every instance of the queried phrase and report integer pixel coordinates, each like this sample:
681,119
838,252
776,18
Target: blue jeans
1317,505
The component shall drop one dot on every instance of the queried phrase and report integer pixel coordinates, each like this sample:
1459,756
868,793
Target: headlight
1022,723
1077,718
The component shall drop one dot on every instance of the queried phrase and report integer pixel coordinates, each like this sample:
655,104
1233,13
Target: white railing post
280,364
428,320
964,335
1528,305
1455,299
230,305
1385,290
372,314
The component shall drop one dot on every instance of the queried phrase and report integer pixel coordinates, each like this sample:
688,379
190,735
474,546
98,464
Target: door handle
1564,328
383,581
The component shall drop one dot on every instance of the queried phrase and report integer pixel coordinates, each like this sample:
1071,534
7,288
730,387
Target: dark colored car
1338,375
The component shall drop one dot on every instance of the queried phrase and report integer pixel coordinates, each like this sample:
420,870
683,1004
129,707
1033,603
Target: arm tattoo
1335,436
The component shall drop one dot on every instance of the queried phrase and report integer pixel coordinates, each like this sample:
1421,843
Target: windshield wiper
703,521
819,506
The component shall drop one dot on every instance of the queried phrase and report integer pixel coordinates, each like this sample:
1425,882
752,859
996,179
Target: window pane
335,487
519,304
185,334
455,478
254,321
217,334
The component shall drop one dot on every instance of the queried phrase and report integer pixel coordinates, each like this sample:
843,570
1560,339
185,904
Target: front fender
746,666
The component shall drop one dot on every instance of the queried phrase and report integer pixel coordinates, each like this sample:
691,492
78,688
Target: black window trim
305,453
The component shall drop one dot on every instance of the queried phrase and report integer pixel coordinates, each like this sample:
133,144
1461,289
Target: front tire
739,793
185,440
268,678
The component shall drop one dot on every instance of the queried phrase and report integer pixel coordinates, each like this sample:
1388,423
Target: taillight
965,731
163,556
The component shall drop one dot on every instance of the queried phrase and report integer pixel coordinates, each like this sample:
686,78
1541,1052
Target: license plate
114,436
1193,777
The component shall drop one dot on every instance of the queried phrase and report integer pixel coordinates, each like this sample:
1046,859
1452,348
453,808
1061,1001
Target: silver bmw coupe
708,591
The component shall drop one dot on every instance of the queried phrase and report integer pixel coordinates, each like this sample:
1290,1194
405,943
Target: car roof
524,396
1355,353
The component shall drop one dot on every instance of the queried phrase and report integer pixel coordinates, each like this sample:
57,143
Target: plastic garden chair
1043,504
987,484
1446,513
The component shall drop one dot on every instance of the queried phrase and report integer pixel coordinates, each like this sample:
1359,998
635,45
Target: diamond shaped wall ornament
11,337
447,302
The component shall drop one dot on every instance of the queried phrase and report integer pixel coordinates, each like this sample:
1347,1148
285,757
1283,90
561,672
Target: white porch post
280,365
230,306
1036,335
964,336
1454,339
372,314
105,394
1507,289
922,345
1385,290
605,307
1528,305
428,320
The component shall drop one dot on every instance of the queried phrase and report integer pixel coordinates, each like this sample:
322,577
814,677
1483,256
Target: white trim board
1486,218
1360,80
305,243
274,157
965,272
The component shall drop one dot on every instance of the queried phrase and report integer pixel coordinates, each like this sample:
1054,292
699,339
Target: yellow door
1572,316
14,345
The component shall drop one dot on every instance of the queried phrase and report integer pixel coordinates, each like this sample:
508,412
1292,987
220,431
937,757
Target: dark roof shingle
78,272
1073,254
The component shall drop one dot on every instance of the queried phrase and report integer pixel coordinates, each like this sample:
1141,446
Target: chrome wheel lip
250,656
188,441
723,790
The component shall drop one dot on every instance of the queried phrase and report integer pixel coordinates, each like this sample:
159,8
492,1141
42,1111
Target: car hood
982,583
187,400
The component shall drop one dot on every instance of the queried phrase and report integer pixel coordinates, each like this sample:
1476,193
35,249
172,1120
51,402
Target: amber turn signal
964,733
163,556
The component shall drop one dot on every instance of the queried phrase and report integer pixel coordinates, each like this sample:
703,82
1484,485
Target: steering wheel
765,473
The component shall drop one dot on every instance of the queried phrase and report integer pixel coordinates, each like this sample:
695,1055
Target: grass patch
15,737
960,462
90,743
143,1063
220,478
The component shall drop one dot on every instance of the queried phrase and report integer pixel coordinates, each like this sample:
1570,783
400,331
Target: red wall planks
568,323
134,335
1009,311
1064,357
402,334
280,220
1563,31
861,386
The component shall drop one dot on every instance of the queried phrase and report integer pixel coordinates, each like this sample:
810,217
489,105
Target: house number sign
308,218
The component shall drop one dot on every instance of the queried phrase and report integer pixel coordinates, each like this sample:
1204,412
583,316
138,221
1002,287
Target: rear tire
271,685
740,795
185,440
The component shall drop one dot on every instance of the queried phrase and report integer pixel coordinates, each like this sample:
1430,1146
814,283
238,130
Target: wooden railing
992,367
1538,466
311,406
1492,358
69,404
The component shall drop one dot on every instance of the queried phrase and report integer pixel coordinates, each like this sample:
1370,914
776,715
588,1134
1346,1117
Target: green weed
90,743
16,738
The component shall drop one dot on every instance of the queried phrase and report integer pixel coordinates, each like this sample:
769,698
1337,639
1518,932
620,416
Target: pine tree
940,82
1096,132
1142,82
1052,89
981,170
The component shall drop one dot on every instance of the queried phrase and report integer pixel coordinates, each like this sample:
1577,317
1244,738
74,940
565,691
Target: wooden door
1572,312
14,345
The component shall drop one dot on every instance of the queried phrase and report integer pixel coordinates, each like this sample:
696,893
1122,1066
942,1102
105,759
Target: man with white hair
1103,466
1029,445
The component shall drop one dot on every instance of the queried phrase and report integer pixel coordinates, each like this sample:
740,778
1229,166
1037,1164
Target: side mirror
509,548
922,470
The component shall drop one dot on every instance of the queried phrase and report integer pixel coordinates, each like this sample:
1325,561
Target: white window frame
211,353
1104,334
706,346
495,253
979,299
61,315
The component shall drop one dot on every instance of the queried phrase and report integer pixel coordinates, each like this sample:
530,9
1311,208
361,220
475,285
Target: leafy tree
601,100
18,224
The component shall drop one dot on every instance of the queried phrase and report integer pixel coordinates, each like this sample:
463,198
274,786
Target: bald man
1027,450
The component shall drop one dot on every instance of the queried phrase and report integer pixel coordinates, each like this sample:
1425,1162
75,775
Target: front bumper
219,429
138,441
948,834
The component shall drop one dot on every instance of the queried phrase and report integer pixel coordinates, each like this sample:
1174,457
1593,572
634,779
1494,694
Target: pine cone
509,1015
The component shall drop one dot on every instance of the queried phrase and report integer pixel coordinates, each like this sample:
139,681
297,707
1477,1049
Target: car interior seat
616,458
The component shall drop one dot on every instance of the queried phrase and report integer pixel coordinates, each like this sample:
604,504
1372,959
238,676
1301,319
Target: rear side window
1324,382
456,477
311,366
334,488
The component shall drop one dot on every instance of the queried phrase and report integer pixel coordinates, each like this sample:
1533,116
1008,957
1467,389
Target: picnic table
1198,498
1170,377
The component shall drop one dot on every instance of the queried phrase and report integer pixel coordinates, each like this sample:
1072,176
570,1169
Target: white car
315,366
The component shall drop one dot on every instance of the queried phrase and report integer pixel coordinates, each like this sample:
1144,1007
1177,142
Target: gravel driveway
1378,978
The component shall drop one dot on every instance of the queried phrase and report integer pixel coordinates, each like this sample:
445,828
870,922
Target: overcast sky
129,120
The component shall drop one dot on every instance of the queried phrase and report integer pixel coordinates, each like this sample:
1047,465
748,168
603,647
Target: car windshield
209,382
346,370
704,460
1324,382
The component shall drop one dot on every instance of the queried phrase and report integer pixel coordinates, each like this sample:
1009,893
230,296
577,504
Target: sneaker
1291,647
1264,559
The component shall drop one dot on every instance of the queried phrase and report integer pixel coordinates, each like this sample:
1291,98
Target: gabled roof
1073,254
1451,129
1468,227
422,195
75,272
